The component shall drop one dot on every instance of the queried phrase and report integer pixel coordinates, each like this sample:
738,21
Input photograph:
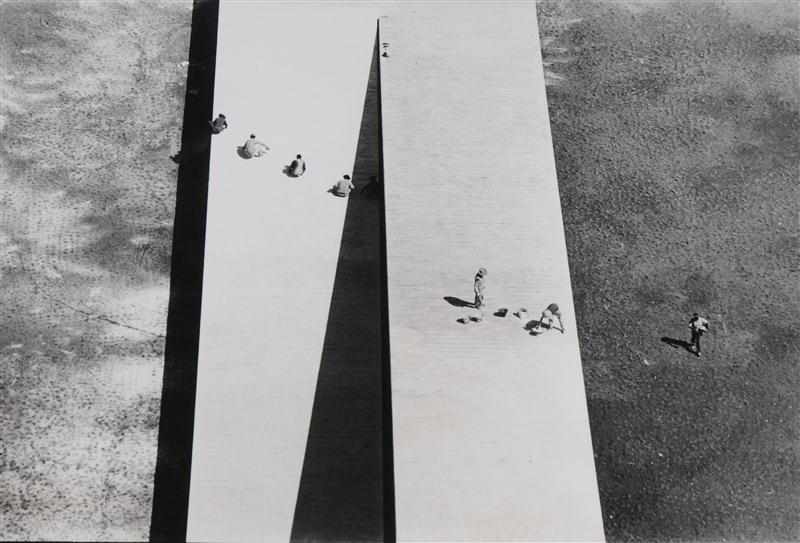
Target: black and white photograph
400,271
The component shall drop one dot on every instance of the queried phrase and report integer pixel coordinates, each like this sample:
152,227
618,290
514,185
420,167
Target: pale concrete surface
491,434
294,74
342,493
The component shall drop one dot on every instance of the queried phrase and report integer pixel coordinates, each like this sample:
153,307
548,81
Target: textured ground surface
676,134
90,110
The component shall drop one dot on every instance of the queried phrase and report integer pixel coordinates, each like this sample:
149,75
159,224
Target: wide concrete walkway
491,438
295,75
491,433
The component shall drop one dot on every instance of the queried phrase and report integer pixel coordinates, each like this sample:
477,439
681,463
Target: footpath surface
490,430
295,75
491,433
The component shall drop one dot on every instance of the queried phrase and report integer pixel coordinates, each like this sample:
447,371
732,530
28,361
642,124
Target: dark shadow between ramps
176,424
343,483
532,324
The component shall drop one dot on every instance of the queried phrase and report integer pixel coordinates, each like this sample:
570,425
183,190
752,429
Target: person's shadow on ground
242,153
331,190
677,343
458,302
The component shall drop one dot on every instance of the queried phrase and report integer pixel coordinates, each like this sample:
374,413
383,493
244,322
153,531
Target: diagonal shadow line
168,519
341,492
389,514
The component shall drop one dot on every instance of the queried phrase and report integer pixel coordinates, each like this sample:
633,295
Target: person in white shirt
253,148
343,187
697,326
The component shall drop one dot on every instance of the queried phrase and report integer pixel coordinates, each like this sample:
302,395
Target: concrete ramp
487,438
490,426
295,75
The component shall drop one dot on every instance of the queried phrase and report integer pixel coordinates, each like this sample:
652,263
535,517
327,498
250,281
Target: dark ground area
676,128
91,102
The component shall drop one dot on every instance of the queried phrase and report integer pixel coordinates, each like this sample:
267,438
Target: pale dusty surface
491,435
295,76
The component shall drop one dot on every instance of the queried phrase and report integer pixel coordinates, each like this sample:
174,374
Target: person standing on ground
480,289
297,167
254,148
697,326
343,187
550,313
219,124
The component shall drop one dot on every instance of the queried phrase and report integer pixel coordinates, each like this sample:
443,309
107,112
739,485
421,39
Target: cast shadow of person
677,343
458,302
242,153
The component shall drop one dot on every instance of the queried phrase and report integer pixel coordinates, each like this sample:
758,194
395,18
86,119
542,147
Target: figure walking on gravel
480,289
253,148
697,326
219,124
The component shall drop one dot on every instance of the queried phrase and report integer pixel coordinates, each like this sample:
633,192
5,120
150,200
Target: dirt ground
90,111
676,128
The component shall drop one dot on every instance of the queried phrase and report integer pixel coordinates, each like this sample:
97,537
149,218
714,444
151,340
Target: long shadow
458,302
171,488
342,486
677,343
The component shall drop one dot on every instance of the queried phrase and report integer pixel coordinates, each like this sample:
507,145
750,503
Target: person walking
253,148
480,289
343,187
219,124
697,326
297,167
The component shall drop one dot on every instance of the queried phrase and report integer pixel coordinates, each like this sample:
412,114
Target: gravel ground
675,127
91,109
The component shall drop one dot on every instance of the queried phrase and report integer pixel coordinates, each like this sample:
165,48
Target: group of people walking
253,148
